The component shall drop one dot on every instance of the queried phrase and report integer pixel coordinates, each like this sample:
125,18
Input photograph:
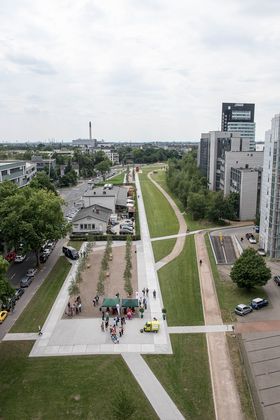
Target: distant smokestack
90,136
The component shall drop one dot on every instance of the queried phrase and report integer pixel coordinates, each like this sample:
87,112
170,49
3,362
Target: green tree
42,180
197,205
31,217
6,290
7,189
103,167
250,270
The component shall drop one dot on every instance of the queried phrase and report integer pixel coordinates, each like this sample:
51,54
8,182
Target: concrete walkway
179,245
200,329
152,388
20,337
226,398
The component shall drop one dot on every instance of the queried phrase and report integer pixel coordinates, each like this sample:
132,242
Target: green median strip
180,288
161,218
76,387
185,375
162,248
40,305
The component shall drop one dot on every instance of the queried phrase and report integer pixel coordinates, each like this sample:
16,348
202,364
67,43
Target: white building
18,171
93,219
113,198
270,195
112,155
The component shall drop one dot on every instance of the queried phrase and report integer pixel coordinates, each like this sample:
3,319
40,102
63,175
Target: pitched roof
96,212
120,194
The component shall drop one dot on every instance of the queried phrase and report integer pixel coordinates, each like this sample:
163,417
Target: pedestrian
121,331
80,307
94,301
103,315
118,295
97,299
69,309
140,301
200,262
40,332
154,294
143,291
147,291
77,308
118,308
106,325
122,320
102,326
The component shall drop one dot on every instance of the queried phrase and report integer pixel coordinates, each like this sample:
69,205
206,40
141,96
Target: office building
239,118
18,171
270,195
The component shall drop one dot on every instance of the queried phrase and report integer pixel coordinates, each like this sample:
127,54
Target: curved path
179,245
225,395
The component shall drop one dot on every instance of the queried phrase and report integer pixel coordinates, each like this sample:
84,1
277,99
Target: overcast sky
138,69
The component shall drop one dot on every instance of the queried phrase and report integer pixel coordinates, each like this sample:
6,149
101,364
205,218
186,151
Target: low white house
113,198
93,219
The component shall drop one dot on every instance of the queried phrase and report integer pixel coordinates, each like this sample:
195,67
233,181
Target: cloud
33,64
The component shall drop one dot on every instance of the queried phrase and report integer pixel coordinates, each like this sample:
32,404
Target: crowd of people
74,308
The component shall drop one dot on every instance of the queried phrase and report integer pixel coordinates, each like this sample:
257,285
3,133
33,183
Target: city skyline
148,70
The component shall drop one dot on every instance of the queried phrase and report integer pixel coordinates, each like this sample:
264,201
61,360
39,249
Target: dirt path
225,395
179,245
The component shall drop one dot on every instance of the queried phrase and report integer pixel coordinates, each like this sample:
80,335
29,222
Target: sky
138,69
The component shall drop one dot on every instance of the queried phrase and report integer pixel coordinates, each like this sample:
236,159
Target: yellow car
3,316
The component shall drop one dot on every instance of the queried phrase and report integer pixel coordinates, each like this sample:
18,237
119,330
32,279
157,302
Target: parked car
242,309
20,258
261,252
31,272
257,229
258,303
10,256
8,304
18,293
252,240
43,258
47,252
3,316
70,252
26,281
127,222
126,231
276,280
126,226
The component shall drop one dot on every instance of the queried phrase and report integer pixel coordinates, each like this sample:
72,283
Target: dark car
18,293
242,309
10,256
277,280
43,258
9,304
258,303
26,281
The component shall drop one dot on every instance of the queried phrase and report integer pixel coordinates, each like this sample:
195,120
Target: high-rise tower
239,118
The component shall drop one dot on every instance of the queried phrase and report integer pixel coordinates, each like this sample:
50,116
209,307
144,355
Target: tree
123,408
6,290
7,189
103,167
250,270
42,180
31,217
73,288
197,205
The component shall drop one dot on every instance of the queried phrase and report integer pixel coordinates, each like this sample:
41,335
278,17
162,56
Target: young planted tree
250,270
73,289
100,284
127,272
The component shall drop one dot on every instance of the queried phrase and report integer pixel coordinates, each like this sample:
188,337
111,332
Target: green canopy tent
110,302
130,303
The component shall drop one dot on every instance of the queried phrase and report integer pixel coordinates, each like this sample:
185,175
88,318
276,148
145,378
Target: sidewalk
225,394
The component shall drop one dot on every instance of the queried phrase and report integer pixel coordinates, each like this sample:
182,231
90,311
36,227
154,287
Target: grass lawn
161,217
229,294
40,305
77,387
192,224
115,180
76,244
162,248
185,375
179,284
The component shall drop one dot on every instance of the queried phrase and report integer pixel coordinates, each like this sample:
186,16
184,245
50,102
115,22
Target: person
40,332
121,331
154,294
117,295
94,301
106,325
102,326
122,320
80,307
103,315
147,291
144,291
200,262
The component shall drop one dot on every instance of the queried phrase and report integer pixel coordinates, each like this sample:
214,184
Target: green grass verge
185,375
40,305
180,288
77,387
229,294
161,217
162,248
160,177
76,244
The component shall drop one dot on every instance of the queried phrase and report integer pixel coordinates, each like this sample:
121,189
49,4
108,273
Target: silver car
242,309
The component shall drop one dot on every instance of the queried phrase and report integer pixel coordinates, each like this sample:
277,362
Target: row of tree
146,154
185,180
128,266
104,266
